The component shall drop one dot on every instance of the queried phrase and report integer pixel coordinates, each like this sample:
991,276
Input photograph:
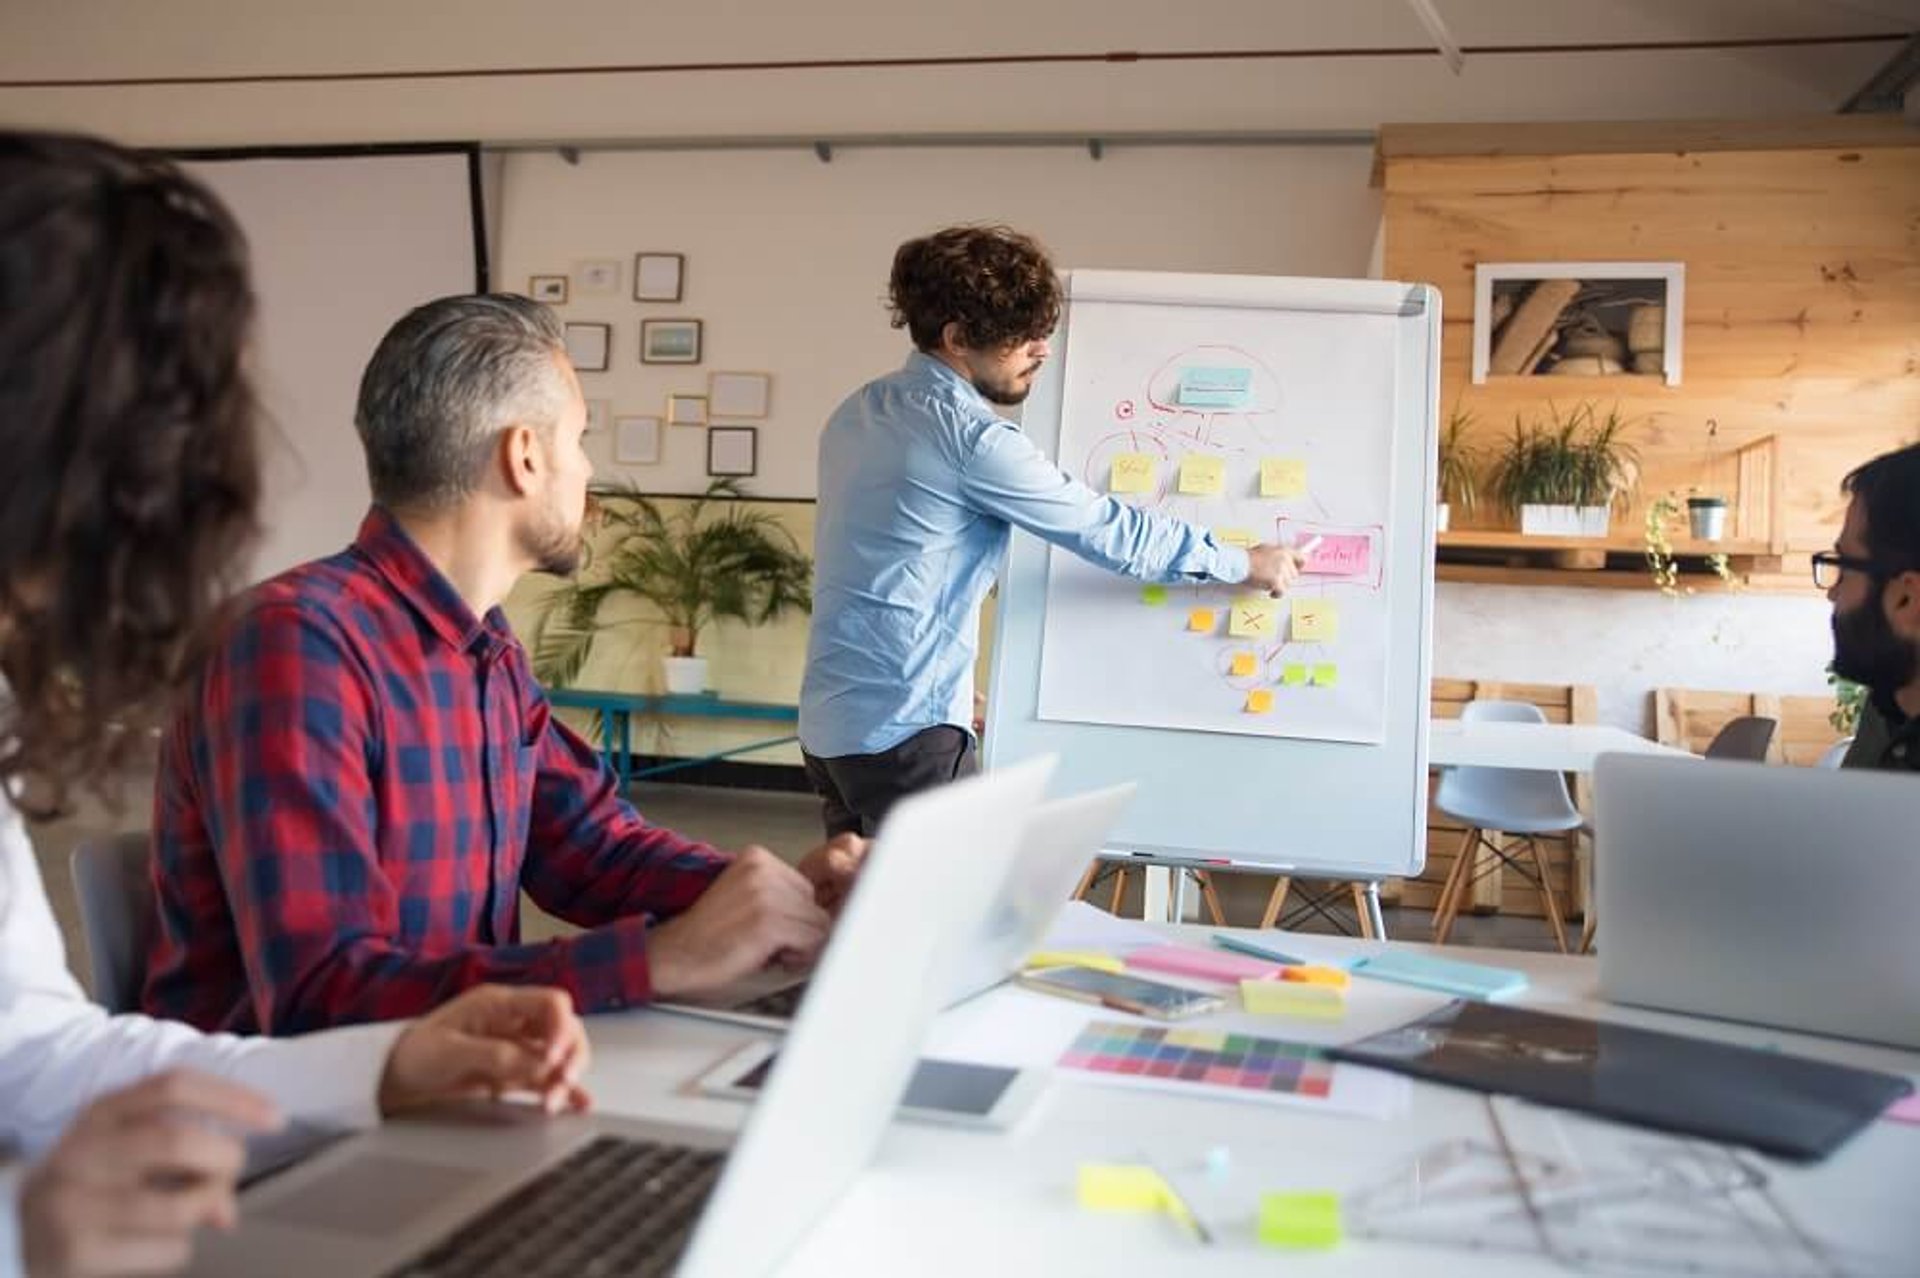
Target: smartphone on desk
949,1093
1155,999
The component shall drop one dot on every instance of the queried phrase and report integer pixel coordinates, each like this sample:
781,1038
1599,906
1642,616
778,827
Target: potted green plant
1707,512
711,559
1456,482
1564,476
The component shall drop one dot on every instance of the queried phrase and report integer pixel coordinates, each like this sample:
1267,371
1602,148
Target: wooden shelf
1507,539
1506,557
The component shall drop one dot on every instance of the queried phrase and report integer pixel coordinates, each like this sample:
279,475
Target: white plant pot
1707,520
1565,521
1443,517
685,675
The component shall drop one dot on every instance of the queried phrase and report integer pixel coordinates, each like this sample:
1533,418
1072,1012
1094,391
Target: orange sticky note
1244,663
1200,620
1313,974
1315,620
1253,617
1202,476
1259,701
1131,473
1282,477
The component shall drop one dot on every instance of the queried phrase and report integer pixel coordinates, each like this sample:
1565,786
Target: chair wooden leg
1086,880
1212,898
1547,896
1119,888
1276,901
1360,911
1454,888
1586,929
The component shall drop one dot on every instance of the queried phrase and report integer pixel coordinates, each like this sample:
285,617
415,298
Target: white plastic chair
1836,753
1511,801
115,893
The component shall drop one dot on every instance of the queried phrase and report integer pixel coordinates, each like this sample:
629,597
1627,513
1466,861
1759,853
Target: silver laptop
497,1191
1777,895
1061,839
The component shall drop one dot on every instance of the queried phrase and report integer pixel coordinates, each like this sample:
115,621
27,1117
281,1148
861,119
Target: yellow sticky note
1202,476
1253,617
1153,596
1075,958
1200,620
1315,620
1326,675
1282,477
1279,998
1293,674
1300,1220
1234,537
1315,974
1259,701
1132,473
1122,1187
1244,663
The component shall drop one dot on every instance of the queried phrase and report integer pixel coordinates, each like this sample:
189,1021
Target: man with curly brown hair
921,483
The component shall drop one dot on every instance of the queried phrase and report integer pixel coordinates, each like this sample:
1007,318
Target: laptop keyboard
612,1207
781,1004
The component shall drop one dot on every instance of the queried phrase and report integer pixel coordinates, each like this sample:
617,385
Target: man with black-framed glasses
1872,576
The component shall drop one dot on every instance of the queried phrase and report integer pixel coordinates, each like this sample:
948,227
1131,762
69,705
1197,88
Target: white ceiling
46,45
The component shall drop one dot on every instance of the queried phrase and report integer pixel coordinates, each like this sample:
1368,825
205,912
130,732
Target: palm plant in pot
1564,476
1456,482
711,560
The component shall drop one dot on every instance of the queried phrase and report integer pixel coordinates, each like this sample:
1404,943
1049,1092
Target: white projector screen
342,246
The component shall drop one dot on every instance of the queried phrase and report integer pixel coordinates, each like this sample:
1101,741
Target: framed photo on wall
587,346
659,277
732,450
686,410
551,289
636,441
739,394
670,341
598,278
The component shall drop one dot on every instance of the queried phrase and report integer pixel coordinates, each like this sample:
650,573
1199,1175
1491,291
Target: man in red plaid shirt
368,774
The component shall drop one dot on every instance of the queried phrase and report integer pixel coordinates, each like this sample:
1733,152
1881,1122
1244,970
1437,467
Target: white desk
1538,747
946,1202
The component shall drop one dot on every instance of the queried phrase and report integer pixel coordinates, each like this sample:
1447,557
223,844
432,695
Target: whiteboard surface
1344,377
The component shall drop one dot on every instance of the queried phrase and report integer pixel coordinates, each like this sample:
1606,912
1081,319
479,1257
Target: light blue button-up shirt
920,481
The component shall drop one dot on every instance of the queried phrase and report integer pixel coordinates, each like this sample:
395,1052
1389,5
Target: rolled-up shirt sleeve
1007,476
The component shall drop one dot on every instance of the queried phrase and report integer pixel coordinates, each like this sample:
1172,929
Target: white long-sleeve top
59,1052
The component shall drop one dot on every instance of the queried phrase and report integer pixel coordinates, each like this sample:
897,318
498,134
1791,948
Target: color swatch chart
1208,1057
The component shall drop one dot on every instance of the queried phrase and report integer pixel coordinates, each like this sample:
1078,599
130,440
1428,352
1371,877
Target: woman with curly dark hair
128,491
921,482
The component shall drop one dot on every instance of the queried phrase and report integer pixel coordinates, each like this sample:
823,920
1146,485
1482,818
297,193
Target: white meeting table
1535,747
939,1201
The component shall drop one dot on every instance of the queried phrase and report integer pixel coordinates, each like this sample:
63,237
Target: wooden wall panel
1690,718
1802,299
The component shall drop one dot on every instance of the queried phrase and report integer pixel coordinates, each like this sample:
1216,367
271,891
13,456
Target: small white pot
1565,521
1443,517
685,675
1707,518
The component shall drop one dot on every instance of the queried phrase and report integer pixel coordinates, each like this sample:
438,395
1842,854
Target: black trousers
856,790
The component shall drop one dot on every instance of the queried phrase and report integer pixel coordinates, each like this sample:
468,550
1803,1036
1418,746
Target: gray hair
445,381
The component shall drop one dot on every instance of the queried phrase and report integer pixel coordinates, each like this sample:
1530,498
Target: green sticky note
1326,675
1300,1220
1153,596
1293,675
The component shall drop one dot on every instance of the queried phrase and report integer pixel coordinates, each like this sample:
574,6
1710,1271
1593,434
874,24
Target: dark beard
1867,651
1002,396
553,550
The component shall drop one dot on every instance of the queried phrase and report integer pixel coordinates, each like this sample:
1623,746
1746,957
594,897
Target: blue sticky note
1448,976
1214,387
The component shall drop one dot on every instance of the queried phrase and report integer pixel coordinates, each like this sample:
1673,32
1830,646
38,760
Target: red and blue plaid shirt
349,806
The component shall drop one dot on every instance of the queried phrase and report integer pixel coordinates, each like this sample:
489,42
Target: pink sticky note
1340,555
1904,1110
1205,965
